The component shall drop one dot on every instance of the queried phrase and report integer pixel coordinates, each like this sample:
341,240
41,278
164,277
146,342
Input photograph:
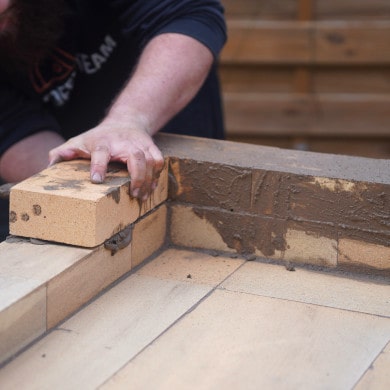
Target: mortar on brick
258,198
189,229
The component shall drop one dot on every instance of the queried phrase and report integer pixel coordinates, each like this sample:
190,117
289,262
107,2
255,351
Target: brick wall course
358,205
252,198
348,205
209,184
241,155
251,234
324,197
240,232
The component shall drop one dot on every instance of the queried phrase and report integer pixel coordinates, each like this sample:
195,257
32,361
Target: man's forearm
171,70
28,156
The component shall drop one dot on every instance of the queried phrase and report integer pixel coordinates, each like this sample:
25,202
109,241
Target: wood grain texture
307,114
310,47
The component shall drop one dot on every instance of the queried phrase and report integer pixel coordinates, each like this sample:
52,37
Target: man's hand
170,71
111,142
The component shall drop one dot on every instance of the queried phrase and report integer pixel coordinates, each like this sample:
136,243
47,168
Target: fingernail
145,197
96,178
136,192
54,161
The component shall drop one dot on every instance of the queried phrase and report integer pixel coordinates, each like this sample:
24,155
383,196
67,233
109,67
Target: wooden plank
353,43
302,80
352,80
352,10
252,9
300,114
260,42
305,10
376,147
303,74
247,78
353,115
271,114
372,147
325,43
322,10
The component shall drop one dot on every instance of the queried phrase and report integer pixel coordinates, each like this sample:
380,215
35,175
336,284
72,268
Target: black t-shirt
71,90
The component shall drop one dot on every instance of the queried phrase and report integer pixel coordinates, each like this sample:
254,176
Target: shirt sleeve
200,19
21,116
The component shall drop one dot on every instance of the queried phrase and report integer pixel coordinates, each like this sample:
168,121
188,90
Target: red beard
32,28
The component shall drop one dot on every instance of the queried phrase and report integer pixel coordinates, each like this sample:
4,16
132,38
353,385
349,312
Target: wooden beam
259,42
361,43
352,10
307,43
305,10
251,9
322,10
285,114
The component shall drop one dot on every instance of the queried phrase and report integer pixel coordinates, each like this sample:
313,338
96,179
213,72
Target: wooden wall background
311,74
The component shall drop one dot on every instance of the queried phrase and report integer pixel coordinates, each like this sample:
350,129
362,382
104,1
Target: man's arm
25,139
170,71
28,156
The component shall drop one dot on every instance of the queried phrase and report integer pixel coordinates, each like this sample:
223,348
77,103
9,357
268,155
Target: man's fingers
158,158
147,186
61,154
67,151
100,157
158,165
136,165
144,160
54,159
